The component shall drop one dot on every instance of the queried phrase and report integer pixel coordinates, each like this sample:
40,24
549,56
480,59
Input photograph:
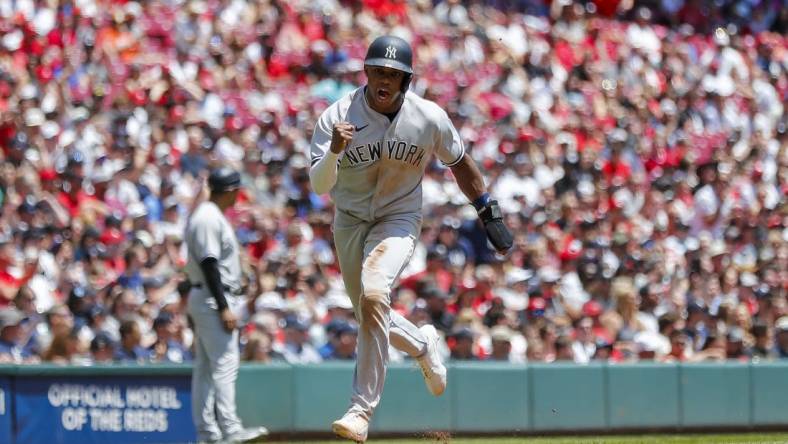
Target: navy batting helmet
224,179
391,52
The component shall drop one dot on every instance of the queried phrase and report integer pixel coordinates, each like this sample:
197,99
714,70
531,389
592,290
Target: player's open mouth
383,94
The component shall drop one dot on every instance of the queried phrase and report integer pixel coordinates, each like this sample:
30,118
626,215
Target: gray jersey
209,234
381,169
216,358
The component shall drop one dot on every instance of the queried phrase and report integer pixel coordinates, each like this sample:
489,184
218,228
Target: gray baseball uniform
209,234
375,184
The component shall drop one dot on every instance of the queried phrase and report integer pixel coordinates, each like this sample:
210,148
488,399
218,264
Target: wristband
480,202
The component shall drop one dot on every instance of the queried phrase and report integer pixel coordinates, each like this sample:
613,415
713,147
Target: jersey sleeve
449,148
323,169
321,137
206,238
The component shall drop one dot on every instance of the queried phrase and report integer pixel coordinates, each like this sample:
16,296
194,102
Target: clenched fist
340,137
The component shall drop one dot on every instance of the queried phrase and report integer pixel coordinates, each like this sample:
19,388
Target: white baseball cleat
352,426
248,434
430,362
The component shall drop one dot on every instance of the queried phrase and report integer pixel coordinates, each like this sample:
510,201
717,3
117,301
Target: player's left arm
471,183
450,150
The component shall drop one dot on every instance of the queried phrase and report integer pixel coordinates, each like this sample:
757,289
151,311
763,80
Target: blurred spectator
342,341
501,339
548,336
10,283
129,349
435,272
462,349
678,347
459,251
737,349
782,337
603,351
11,350
296,348
33,324
167,348
715,348
584,345
437,305
102,349
651,346
536,351
645,181
64,349
337,305
762,347
563,349
60,322
259,349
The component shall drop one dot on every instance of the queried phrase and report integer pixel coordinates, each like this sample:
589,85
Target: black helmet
224,179
391,52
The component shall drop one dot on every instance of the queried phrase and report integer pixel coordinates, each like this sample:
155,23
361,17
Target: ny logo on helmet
391,52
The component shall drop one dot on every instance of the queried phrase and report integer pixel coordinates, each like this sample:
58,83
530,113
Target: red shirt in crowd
442,278
73,203
11,284
616,171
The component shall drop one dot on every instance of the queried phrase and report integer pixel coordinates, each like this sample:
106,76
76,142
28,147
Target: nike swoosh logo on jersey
359,128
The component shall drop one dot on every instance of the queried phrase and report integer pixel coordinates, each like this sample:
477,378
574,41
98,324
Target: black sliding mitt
497,232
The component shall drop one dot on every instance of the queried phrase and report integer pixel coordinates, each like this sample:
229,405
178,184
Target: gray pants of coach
216,362
371,256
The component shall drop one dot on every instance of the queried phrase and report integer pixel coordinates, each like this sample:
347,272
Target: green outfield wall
481,397
554,397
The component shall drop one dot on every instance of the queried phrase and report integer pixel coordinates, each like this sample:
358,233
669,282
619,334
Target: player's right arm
328,141
213,281
208,245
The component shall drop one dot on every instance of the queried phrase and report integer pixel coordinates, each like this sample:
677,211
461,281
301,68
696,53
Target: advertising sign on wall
113,410
6,410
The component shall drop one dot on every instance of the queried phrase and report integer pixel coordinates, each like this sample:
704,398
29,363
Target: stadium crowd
640,150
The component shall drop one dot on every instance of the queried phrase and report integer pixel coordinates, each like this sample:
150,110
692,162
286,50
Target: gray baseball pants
371,257
215,370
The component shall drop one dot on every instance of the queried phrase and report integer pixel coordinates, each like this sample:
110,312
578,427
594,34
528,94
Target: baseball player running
370,150
214,269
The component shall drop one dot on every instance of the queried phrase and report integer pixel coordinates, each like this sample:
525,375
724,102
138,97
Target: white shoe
352,426
431,364
248,434
210,440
